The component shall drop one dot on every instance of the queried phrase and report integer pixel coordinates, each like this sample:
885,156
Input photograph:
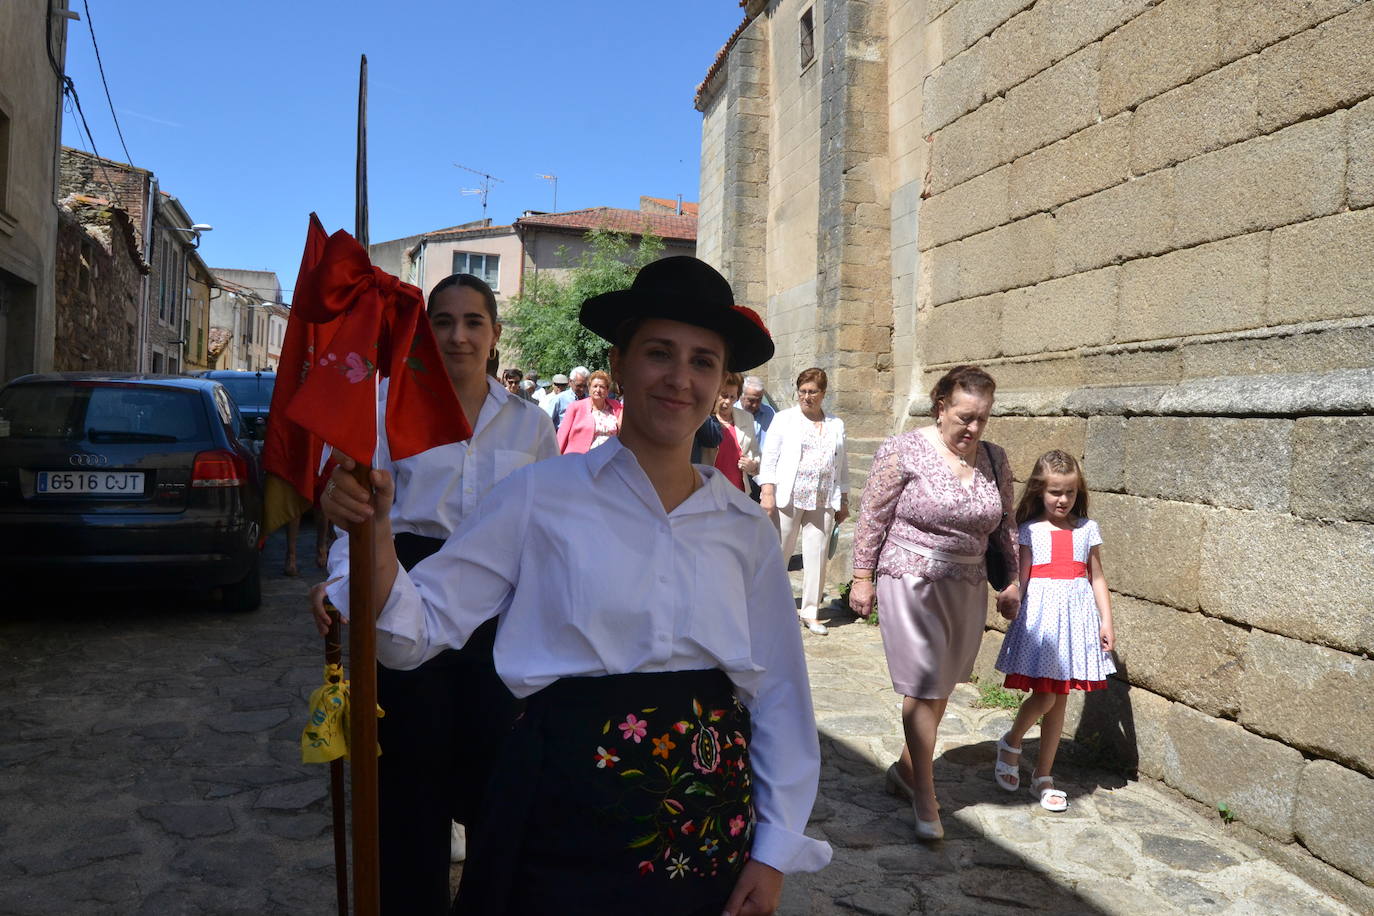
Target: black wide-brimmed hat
683,289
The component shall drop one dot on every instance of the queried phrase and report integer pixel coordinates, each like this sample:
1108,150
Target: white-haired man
577,390
751,399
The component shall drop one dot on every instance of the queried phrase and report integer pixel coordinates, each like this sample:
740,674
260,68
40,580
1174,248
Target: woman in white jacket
804,483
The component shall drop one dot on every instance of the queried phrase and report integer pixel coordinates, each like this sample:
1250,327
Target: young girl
1062,636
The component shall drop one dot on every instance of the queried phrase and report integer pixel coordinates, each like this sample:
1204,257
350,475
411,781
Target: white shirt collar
715,493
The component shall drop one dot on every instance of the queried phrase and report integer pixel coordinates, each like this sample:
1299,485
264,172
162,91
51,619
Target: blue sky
246,111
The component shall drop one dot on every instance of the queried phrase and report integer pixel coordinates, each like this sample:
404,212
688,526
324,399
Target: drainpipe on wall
209,312
234,338
149,222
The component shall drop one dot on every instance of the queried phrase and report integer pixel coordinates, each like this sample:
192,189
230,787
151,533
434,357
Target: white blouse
438,488
591,577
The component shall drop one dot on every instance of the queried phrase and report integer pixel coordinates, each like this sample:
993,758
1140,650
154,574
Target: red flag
381,330
352,323
290,454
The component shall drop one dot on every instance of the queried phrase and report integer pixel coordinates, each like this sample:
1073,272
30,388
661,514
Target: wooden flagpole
333,655
362,645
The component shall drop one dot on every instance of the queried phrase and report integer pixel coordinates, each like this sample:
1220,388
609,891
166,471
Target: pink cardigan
578,429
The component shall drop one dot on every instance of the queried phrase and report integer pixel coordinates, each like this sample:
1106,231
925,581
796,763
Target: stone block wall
796,191
1235,514
125,186
98,279
1151,222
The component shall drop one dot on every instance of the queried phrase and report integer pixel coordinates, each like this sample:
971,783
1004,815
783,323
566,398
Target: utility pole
484,190
553,178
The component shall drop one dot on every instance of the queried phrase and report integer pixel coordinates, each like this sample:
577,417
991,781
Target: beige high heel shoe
927,830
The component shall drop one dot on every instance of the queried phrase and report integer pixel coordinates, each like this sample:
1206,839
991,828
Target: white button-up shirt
438,488
591,577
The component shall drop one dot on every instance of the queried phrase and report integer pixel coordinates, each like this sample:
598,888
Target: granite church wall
1151,221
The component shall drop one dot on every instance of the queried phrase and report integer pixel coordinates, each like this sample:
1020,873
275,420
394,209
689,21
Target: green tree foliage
542,322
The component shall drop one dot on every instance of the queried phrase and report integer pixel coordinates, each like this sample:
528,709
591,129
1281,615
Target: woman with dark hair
444,717
667,758
591,421
934,497
737,456
804,485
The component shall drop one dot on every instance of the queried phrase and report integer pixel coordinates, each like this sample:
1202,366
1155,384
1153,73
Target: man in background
577,390
751,399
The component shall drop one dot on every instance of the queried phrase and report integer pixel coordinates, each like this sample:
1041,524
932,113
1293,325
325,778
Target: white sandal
1051,799
1008,775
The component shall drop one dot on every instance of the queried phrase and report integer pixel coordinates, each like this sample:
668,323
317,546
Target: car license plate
82,483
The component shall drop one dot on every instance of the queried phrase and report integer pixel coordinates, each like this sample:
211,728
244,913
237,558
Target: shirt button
663,578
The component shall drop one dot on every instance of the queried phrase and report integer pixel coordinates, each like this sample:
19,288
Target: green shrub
994,696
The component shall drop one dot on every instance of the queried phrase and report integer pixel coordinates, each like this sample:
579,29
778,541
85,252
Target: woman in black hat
667,759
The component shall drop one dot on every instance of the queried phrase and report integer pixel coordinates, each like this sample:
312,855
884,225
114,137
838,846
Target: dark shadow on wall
1105,736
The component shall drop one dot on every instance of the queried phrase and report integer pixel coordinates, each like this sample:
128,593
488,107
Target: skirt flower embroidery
688,787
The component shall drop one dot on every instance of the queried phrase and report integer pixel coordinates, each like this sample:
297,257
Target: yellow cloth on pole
325,737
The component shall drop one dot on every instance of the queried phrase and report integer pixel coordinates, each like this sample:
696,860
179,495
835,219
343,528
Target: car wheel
246,594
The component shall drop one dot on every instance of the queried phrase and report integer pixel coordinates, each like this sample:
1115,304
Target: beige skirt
931,632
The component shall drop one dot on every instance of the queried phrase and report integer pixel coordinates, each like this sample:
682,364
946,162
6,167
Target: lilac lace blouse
913,494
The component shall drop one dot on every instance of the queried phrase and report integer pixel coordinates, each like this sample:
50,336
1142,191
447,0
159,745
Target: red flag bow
379,329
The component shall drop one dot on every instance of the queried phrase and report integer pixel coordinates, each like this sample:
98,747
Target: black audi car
111,480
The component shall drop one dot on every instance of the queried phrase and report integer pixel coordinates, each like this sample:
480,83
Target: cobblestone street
151,766
1121,848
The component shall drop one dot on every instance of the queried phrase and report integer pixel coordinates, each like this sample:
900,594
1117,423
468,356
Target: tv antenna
553,178
484,190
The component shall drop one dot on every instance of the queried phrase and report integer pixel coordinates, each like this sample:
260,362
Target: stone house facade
503,254
200,288
247,320
491,252
98,285
161,228
1151,221
165,322
554,242
33,48
536,242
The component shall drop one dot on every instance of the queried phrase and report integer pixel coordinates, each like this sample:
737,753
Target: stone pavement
1121,848
150,757
149,764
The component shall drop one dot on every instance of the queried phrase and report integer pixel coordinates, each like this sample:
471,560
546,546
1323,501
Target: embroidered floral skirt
626,793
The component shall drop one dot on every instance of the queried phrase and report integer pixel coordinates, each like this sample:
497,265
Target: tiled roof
688,207
635,222
719,62
456,231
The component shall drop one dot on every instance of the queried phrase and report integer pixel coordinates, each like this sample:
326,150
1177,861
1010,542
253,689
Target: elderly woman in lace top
934,497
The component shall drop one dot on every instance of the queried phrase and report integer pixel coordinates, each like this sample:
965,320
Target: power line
90,24
70,89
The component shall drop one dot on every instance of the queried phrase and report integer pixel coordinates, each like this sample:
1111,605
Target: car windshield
101,413
250,392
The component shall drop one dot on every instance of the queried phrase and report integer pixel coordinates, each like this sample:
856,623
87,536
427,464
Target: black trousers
442,722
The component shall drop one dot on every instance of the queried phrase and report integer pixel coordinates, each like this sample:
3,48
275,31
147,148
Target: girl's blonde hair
1032,502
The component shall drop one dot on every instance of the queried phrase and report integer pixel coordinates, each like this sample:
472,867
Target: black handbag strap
995,479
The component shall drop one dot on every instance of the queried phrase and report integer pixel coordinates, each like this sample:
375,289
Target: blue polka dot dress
1054,644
